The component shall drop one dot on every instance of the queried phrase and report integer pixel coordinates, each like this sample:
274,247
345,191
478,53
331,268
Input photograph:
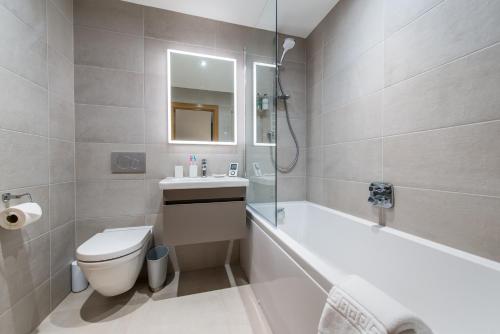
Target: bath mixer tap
204,167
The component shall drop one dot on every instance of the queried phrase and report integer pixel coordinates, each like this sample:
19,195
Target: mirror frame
255,142
169,100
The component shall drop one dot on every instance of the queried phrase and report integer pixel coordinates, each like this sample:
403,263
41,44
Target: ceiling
295,17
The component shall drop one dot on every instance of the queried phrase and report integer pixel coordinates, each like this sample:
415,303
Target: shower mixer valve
381,195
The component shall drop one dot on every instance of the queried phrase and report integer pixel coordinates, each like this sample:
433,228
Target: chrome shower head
288,44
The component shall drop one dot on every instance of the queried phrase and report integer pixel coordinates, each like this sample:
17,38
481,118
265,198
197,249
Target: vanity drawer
193,223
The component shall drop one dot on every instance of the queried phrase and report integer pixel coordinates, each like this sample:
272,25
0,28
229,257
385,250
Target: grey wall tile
66,7
461,92
291,188
172,26
314,131
316,190
236,37
459,159
108,49
315,68
109,124
361,119
363,77
297,54
40,195
287,155
62,161
357,27
112,15
60,31
449,31
62,204
108,87
462,221
34,308
93,160
357,161
60,286
315,157
28,160
62,118
61,76
285,136
24,267
315,98
109,198
86,228
29,57
62,246
350,197
399,13
24,105
31,12
154,197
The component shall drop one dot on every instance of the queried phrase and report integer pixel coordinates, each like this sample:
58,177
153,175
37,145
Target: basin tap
204,167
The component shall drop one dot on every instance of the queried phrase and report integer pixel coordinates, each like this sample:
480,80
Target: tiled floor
227,311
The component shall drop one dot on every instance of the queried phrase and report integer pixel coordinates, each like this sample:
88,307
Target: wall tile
285,136
458,220
61,76
172,26
357,161
62,246
154,197
297,54
287,155
62,118
236,37
461,92
62,161
86,228
361,119
316,190
28,160
111,15
109,198
449,31
315,68
97,47
66,7
31,12
350,197
456,159
62,204
93,160
23,267
60,31
107,124
60,286
29,57
399,13
365,76
24,105
315,157
108,87
314,131
291,188
34,308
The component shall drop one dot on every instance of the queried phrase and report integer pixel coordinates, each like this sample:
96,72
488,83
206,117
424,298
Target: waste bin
157,267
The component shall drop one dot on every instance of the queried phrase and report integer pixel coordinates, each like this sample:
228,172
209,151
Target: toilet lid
113,243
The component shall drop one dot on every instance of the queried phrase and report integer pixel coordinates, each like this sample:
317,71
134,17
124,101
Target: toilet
111,260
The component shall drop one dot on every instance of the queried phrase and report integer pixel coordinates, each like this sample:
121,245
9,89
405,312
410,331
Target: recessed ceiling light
203,63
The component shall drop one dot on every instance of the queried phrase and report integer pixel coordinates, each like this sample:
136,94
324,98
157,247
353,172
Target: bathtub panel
290,298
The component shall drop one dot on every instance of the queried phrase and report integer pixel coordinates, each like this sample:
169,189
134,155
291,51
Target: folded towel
357,307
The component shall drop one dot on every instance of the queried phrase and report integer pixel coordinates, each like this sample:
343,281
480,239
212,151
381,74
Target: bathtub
291,268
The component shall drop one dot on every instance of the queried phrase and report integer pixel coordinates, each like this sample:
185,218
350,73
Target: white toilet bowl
112,260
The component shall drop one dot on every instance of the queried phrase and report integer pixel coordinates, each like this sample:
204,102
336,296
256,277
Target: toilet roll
17,216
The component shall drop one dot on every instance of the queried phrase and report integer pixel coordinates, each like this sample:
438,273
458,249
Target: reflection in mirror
264,114
201,99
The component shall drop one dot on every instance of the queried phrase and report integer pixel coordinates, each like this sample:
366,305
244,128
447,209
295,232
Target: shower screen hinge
381,195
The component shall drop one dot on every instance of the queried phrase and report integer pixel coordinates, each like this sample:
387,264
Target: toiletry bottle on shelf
265,102
259,102
193,167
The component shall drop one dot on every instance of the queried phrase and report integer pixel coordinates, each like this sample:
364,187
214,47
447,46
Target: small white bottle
193,167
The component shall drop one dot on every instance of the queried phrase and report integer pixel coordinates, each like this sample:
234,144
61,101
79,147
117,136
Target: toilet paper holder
6,197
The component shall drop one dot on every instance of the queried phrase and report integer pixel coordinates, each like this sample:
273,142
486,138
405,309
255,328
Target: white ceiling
295,17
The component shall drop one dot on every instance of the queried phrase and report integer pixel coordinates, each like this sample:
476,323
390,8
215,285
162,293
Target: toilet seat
112,244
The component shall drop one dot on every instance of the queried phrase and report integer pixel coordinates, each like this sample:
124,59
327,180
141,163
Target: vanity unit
203,209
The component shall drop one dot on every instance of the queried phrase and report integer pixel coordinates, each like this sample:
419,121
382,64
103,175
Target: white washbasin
202,182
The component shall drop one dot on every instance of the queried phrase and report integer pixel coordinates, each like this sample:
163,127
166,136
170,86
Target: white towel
357,307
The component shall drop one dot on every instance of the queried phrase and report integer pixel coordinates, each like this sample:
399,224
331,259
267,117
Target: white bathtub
453,291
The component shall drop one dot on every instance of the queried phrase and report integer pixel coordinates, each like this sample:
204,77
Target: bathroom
241,166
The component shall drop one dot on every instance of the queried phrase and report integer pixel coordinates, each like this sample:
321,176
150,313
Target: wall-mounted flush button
128,162
381,195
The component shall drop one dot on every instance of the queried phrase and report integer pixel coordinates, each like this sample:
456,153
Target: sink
202,182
